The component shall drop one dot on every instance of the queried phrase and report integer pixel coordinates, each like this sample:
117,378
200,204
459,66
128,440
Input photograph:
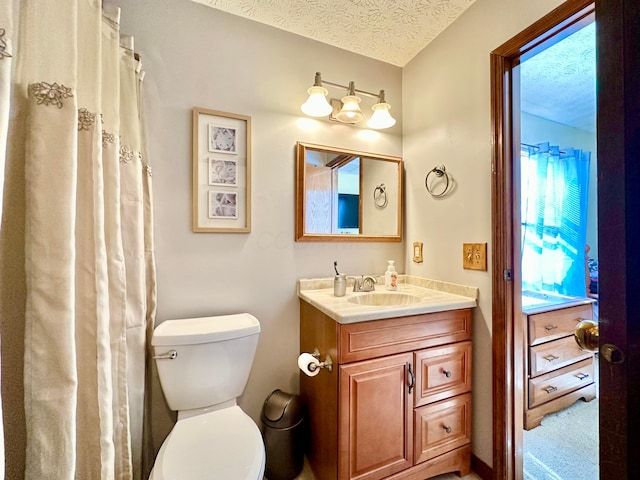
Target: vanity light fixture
348,110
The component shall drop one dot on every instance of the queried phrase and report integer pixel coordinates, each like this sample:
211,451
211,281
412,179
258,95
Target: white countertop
436,296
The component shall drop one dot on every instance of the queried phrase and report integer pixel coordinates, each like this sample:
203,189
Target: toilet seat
223,444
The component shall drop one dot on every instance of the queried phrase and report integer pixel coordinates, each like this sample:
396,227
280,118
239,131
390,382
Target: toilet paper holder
328,363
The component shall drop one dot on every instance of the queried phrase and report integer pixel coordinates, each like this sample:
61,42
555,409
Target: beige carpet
565,446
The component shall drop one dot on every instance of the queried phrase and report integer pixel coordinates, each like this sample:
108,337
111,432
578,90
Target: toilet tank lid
191,331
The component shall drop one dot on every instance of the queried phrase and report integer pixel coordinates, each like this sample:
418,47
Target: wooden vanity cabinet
558,371
397,404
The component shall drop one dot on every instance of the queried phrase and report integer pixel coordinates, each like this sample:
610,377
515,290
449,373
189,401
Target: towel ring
380,196
440,171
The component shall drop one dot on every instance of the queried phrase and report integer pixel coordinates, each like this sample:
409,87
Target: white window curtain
80,274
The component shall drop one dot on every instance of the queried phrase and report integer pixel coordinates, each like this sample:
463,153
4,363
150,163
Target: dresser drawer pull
447,373
447,428
550,389
582,376
550,358
550,327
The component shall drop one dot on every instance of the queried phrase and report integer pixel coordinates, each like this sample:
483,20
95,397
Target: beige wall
197,56
447,120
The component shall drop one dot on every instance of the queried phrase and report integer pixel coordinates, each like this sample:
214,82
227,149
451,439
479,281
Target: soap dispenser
391,277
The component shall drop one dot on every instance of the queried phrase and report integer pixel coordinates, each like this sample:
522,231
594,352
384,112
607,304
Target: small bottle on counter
391,276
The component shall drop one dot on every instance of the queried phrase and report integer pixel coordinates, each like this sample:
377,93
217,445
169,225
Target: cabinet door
375,410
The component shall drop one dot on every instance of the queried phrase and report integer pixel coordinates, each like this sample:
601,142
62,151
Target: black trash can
283,431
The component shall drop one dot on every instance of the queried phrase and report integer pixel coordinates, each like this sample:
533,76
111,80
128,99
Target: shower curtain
79,264
554,192
6,47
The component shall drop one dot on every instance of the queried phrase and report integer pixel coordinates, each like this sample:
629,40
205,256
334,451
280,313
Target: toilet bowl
224,444
203,365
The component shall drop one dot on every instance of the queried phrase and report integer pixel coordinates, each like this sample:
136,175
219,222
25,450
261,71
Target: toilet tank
212,361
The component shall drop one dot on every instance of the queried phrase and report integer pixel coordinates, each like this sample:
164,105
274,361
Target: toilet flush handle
171,355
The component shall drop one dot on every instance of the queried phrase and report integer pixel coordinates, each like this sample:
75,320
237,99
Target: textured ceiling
560,83
557,84
388,30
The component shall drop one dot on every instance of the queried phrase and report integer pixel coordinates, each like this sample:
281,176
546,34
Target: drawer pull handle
550,327
550,389
551,358
412,377
447,428
582,376
447,373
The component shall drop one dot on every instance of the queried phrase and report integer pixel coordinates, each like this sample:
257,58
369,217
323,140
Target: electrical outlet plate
474,256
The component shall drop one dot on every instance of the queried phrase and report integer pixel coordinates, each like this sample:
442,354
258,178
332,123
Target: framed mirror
347,195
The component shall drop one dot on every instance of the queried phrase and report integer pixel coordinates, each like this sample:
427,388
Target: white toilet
203,365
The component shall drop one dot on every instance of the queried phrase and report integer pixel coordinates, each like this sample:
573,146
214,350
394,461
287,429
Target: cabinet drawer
441,427
359,341
442,372
555,384
555,354
547,326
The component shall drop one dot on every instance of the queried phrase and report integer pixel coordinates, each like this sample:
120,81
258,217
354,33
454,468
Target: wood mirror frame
373,210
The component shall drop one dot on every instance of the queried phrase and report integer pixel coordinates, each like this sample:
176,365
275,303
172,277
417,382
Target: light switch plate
474,256
417,252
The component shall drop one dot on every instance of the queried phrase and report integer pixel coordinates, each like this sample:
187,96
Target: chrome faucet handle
368,284
364,283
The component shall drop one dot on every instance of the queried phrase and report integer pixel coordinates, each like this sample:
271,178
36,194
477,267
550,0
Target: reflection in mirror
346,195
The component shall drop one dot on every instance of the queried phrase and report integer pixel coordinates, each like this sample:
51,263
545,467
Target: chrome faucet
364,284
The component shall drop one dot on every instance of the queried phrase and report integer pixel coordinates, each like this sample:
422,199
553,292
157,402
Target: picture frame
222,204
222,139
221,167
223,172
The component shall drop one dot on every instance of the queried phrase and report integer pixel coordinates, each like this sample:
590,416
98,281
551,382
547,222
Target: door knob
587,335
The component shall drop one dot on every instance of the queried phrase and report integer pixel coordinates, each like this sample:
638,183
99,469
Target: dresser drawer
376,338
547,326
442,426
559,382
555,354
442,372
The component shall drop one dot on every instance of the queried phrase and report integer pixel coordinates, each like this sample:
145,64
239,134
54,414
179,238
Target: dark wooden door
618,93
618,153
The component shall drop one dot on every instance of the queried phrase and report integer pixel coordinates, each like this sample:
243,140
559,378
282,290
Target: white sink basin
385,299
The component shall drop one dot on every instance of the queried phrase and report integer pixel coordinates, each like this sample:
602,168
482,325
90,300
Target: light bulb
350,111
381,117
317,104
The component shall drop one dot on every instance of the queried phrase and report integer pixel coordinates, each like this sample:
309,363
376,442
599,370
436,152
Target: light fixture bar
349,110
346,87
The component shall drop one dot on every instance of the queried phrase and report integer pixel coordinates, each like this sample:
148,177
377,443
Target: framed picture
221,164
222,172
223,204
222,139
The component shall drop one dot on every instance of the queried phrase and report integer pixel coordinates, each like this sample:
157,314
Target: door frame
507,331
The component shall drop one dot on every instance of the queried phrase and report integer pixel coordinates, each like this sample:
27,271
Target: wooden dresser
558,371
397,404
